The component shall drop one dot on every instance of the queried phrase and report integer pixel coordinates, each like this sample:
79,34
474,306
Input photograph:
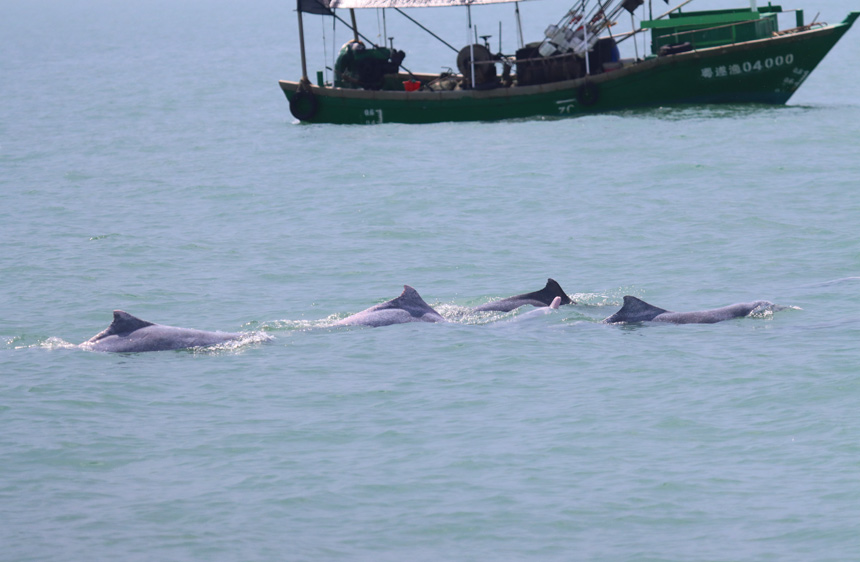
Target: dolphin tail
635,310
550,291
123,323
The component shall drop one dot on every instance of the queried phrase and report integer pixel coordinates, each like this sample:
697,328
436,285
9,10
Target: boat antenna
333,45
379,32
519,23
325,49
471,44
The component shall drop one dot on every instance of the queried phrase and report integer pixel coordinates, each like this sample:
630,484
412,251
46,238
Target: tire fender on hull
304,105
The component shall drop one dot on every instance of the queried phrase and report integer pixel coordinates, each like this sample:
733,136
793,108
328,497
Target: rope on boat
407,16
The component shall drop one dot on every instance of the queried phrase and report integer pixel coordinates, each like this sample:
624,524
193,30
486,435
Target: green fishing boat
699,57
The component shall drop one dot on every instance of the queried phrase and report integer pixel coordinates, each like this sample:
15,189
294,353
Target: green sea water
149,163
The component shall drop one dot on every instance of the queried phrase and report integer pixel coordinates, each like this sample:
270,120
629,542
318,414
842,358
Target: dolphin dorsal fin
409,293
410,301
124,322
404,299
556,302
553,289
637,310
410,298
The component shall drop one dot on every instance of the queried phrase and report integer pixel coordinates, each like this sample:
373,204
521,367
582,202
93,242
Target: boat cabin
713,28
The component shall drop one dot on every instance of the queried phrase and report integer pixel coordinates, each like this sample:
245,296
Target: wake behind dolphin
541,298
408,307
537,312
636,310
128,333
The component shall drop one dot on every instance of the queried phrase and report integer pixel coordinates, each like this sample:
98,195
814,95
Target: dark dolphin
130,334
541,298
636,310
408,307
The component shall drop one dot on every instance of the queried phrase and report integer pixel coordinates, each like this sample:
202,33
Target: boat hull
765,71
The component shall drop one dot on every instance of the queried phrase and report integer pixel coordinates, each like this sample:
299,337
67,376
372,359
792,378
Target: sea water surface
149,163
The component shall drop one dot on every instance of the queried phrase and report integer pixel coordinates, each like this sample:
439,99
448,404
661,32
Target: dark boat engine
360,67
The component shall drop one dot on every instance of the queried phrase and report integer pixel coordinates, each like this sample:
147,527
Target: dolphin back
128,334
408,307
714,315
544,297
635,310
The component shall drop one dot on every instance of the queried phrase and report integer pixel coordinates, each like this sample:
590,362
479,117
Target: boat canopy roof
408,3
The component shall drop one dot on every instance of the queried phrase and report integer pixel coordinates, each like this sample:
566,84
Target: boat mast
633,28
519,23
471,42
354,25
304,80
587,49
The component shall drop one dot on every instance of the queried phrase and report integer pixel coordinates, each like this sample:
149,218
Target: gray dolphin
541,298
636,310
130,334
408,307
